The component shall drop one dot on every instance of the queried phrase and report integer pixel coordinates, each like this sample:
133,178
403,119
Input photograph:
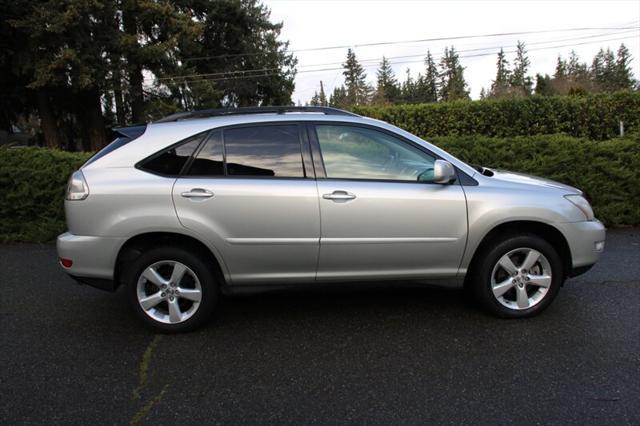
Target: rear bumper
586,242
93,258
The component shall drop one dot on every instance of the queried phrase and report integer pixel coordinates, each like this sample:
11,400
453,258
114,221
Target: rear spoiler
131,132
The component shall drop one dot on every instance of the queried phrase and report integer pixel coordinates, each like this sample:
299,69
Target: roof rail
219,112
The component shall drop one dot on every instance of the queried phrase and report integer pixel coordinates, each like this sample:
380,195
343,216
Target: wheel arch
137,244
548,232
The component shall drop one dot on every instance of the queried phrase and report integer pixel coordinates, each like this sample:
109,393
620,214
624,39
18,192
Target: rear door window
210,160
268,151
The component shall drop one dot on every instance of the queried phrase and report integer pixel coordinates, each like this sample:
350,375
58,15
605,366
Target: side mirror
443,172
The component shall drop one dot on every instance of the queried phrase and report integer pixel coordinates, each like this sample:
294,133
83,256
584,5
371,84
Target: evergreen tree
430,79
483,94
500,85
519,80
571,77
387,90
339,98
578,75
251,42
576,70
603,71
623,74
597,70
319,99
409,89
609,72
561,68
64,65
543,85
358,91
452,83
13,84
322,98
421,92
315,99
79,63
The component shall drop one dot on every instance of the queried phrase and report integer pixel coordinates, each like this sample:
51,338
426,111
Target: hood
513,177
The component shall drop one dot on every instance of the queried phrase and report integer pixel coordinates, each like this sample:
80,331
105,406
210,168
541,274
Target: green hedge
32,186
33,180
595,116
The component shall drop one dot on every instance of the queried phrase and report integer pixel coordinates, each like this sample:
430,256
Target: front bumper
93,258
586,242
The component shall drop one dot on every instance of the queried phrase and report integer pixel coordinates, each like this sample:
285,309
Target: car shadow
348,302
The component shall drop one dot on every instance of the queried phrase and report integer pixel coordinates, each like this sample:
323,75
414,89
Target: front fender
489,208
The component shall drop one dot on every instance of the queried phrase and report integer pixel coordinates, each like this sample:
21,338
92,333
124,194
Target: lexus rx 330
205,202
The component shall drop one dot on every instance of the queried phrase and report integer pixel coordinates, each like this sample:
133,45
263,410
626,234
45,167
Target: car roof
228,120
161,134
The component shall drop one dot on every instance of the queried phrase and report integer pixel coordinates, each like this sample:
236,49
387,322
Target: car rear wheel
518,277
171,289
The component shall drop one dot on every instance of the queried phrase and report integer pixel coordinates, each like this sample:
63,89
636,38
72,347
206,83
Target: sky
317,24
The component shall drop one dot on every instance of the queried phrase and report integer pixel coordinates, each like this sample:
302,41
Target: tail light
77,188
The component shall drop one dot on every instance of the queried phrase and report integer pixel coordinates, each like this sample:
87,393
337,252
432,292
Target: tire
176,286
523,287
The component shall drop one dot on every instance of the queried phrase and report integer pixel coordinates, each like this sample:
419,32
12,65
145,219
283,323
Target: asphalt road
71,354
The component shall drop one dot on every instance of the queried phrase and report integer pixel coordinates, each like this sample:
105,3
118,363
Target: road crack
143,369
142,413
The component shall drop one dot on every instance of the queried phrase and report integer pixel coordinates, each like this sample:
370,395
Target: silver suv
250,199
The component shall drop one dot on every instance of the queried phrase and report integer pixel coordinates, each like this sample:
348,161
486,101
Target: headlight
77,188
581,203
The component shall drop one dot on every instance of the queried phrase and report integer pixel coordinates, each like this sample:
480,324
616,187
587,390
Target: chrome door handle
339,196
197,193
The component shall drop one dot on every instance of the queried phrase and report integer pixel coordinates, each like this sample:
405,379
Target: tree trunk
121,115
52,136
91,120
116,80
134,67
5,121
83,129
136,93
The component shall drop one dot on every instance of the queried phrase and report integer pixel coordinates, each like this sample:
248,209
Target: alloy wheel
521,278
169,292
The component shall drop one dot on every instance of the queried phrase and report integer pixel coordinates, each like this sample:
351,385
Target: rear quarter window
125,136
171,161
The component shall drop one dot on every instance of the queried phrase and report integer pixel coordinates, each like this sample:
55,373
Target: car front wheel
518,277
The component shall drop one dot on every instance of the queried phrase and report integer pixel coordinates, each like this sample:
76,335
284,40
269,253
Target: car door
381,216
247,191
